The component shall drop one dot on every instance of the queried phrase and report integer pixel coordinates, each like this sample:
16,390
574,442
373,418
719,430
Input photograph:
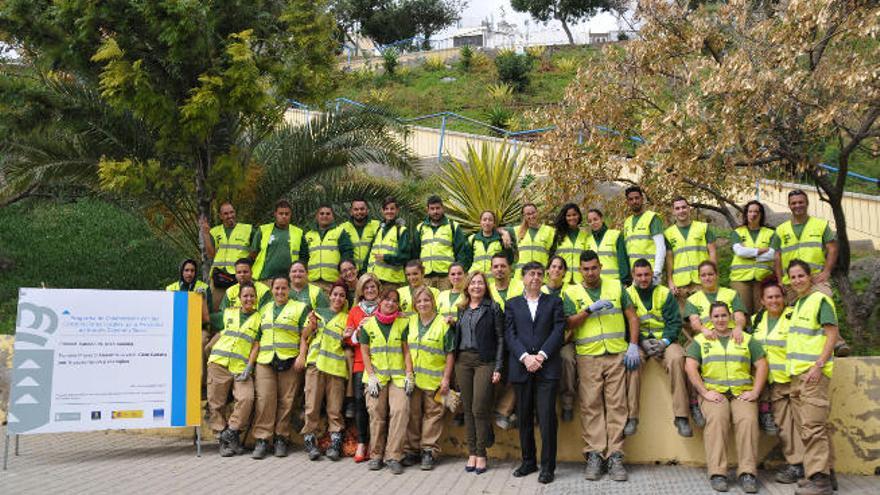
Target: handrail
513,134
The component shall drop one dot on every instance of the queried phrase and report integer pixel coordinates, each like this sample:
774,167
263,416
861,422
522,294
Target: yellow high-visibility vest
607,251
437,247
638,239
407,304
774,343
200,287
386,355
571,253
232,294
483,255
533,248
230,248
806,337
427,352
387,244
726,368
325,346
701,302
687,254
324,256
361,242
651,323
603,332
281,334
747,269
233,348
807,248
446,306
514,288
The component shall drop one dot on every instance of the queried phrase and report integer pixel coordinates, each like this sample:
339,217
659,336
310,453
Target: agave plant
567,64
501,92
487,179
434,63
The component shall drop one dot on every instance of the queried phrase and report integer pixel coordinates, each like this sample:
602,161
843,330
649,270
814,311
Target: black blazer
526,336
489,332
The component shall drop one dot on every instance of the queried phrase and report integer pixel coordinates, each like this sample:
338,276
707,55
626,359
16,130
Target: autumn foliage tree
712,97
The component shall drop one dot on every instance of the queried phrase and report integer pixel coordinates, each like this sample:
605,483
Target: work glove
632,359
409,384
600,305
659,346
244,375
657,278
647,346
373,386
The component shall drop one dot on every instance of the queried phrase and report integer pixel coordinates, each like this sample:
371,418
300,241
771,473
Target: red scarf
386,319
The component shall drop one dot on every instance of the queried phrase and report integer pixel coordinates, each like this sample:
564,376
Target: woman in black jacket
479,347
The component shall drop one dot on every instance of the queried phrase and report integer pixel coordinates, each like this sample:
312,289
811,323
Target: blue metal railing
512,135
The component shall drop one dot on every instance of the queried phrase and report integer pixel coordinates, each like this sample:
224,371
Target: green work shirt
571,309
364,337
303,296
670,312
620,248
756,350
736,239
278,252
798,228
690,309
276,310
507,252
710,234
448,340
404,246
827,316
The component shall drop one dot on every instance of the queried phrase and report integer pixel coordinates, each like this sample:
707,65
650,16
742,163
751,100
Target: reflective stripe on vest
387,244
774,343
638,239
386,356
651,323
437,252
483,254
747,269
232,248
295,235
232,293
281,334
361,242
602,332
571,253
807,248
687,254
233,348
514,288
329,354
806,337
324,256
607,251
407,305
535,248
427,353
725,368
701,302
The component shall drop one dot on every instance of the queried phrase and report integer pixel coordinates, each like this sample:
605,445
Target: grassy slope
85,244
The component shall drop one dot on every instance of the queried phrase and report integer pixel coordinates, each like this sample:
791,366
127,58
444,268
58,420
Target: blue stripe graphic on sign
178,360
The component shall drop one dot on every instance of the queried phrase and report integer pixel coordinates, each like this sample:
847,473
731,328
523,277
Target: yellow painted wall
855,422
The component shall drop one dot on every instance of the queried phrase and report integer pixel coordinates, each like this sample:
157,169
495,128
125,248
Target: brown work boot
819,484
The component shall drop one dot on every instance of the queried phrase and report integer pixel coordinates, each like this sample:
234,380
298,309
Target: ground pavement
117,462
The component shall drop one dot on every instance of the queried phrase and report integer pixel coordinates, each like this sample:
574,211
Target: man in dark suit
534,332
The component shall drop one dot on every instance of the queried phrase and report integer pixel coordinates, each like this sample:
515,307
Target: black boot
334,452
311,447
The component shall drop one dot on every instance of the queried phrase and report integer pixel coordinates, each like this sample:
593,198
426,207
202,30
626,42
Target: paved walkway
115,462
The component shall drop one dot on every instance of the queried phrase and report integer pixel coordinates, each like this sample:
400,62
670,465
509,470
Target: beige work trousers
811,405
749,293
780,401
716,434
276,392
568,381
389,416
602,392
425,422
319,387
220,380
505,399
673,361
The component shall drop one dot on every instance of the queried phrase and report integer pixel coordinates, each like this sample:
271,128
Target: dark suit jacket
524,335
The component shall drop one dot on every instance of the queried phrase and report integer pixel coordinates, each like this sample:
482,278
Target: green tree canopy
566,11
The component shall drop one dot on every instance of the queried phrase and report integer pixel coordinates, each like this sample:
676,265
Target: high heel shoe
470,469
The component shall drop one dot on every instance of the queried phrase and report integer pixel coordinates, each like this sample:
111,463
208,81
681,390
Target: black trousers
361,417
537,395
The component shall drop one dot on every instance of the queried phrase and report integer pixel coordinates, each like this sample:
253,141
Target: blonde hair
422,290
362,281
465,298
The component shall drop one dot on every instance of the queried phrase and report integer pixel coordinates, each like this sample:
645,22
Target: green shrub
499,116
466,54
434,63
390,60
514,69
500,93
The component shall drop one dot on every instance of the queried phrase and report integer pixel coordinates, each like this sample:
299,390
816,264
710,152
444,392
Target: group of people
396,321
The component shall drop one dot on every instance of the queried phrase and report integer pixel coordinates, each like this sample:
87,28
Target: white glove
600,305
409,384
244,375
373,386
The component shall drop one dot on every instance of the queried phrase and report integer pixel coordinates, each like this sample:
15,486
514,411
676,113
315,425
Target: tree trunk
203,203
567,30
